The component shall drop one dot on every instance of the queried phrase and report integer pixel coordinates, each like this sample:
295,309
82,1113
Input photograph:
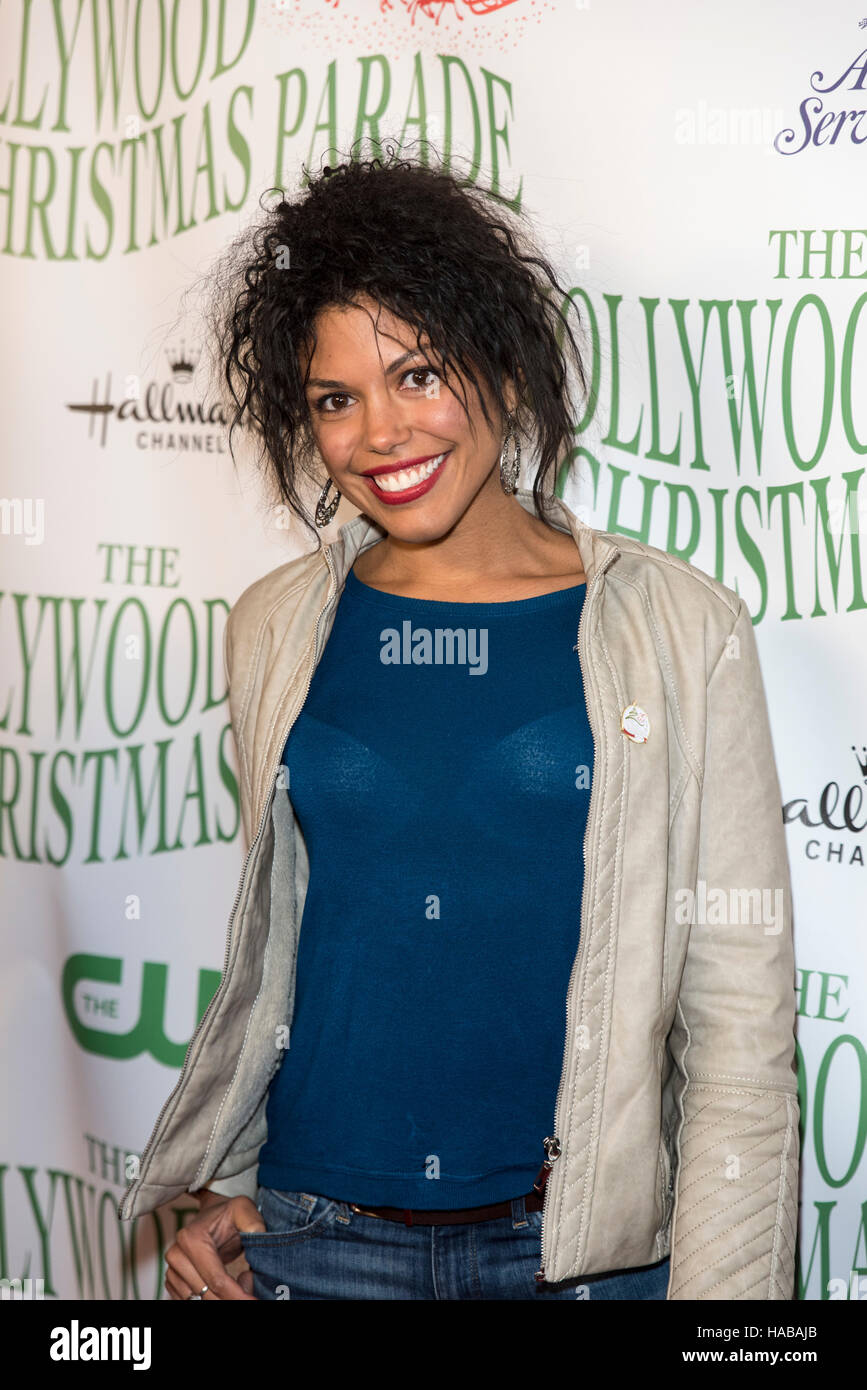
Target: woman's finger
182,1272
195,1263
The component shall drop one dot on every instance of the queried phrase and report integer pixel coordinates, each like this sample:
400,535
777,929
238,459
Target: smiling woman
515,1071
390,319
353,334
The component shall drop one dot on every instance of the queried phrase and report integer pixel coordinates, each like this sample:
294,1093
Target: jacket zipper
552,1144
268,802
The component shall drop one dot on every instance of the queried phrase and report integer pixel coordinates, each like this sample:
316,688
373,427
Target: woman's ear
513,390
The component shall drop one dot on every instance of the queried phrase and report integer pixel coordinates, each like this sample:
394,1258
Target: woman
534,1039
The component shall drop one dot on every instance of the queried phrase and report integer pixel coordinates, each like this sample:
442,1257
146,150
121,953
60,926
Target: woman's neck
494,553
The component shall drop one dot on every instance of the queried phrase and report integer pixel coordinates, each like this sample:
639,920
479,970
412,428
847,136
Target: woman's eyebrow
318,381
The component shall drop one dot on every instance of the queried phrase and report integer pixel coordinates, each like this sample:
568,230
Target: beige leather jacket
675,1127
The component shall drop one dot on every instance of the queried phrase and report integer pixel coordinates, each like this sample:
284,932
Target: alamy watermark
23,516
442,646
22,1288
723,907
77,1343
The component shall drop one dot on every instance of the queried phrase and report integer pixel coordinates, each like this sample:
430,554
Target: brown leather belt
532,1202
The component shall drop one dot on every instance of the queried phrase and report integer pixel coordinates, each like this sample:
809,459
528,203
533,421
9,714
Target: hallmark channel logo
160,410
834,811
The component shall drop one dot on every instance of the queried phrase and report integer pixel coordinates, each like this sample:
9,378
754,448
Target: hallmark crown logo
861,759
182,363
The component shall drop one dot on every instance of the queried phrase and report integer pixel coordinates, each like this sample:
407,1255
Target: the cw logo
148,1034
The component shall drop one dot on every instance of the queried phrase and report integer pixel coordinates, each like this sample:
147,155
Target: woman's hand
207,1244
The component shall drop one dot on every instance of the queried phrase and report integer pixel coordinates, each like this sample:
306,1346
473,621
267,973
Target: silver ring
197,1297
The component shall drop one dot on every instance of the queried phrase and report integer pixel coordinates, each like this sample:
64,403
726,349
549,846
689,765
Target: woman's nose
386,425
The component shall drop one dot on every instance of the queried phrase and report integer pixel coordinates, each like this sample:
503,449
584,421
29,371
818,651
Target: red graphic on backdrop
434,9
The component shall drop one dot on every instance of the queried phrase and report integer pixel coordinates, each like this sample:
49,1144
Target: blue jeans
315,1248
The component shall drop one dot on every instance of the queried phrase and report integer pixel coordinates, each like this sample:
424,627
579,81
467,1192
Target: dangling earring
509,471
325,513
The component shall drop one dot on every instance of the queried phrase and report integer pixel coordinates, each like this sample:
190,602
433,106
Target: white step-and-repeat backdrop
697,174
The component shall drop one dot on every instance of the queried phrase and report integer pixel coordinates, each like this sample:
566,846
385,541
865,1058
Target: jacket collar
596,548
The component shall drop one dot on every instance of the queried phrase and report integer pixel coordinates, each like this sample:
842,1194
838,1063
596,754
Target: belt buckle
406,1216
362,1211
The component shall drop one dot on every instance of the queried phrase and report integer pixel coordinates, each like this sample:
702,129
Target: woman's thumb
247,1216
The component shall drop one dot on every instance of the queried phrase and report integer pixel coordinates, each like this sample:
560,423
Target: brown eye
422,371
335,396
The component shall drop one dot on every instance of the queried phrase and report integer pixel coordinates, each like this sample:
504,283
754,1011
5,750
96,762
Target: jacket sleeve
236,686
245,1183
736,1195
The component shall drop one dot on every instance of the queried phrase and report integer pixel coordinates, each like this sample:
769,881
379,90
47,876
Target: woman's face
392,435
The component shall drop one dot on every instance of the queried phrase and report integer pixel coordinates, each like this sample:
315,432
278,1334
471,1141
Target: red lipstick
407,494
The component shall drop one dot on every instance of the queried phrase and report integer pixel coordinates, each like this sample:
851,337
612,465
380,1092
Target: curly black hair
448,257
